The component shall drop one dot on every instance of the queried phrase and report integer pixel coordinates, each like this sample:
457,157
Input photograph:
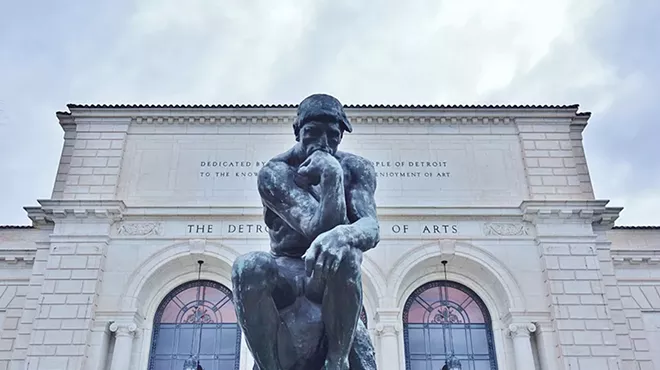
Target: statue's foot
340,364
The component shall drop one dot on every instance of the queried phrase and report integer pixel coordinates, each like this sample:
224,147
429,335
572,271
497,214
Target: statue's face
320,135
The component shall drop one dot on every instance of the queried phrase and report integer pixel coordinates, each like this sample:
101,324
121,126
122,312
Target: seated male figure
320,210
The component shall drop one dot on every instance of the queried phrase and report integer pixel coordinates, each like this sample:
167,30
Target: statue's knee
253,267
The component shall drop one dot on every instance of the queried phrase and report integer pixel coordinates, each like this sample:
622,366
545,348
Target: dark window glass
440,315
182,317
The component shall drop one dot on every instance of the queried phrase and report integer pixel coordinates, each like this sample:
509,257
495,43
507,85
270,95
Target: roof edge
636,227
347,106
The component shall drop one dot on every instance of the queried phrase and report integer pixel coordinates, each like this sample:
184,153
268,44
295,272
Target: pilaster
546,343
32,299
388,330
74,270
522,344
124,332
575,288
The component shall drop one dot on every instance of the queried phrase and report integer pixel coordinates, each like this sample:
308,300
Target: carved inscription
256,229
402,229
227,229
422,169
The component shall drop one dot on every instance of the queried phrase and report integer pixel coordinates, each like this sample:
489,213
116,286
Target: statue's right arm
297,207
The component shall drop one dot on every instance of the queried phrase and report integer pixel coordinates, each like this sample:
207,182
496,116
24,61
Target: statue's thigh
289,283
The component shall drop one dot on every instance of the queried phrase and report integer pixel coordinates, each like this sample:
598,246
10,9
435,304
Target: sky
601,54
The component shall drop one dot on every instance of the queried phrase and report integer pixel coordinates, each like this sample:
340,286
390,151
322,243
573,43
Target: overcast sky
600,54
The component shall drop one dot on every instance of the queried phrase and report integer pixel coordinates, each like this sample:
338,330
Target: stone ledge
478,213
632,257
18,255
380,119
52,210
594,211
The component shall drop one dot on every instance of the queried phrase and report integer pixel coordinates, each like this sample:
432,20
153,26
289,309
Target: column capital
123,329
522,329
388,328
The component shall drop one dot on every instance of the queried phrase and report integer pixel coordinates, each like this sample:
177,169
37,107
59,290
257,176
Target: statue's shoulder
354,161
279,160
274,171
357,165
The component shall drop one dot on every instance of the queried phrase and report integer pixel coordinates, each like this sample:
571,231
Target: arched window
363,317
442,313
177,325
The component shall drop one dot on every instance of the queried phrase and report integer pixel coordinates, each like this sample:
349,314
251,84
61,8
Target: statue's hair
320,106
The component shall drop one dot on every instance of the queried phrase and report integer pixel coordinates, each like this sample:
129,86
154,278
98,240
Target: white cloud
260,51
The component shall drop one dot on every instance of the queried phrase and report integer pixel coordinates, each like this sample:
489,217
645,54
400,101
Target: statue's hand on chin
328,250
318,165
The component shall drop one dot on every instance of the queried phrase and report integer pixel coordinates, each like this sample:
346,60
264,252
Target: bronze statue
299,304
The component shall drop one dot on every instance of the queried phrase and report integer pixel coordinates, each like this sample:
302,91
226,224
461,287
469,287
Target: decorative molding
123,329
521,330
384,212
383,329
592,211
384,118
197,246
505,229
52,210
140,228
447,248
14,256
635,257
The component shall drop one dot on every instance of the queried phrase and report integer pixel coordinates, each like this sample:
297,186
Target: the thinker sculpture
299,304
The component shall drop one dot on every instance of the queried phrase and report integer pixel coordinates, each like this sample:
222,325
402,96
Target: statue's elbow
376,238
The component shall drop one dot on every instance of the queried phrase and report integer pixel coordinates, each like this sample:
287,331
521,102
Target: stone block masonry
90,171
67,283
554,172
580,310
30,308
69,296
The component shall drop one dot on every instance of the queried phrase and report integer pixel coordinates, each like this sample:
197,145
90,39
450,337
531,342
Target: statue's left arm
363,232
364,229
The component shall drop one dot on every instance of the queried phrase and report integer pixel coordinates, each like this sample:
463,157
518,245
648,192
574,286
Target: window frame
170,296
487,322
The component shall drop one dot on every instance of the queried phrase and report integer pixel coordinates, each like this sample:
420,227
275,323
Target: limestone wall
17,259
636,255
504,195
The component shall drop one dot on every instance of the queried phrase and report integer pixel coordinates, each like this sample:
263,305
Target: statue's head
320,124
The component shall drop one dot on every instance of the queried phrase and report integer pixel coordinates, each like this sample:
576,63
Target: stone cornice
18,255
387,118
593,211
52,210
467,115
480,213
635,257
38,217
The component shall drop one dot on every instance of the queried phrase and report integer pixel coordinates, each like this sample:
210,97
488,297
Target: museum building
537,275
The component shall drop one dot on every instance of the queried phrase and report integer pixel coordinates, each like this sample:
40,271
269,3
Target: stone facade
502,193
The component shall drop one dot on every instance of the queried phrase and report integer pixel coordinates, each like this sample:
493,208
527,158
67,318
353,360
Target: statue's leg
342,302
362,356
255,277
